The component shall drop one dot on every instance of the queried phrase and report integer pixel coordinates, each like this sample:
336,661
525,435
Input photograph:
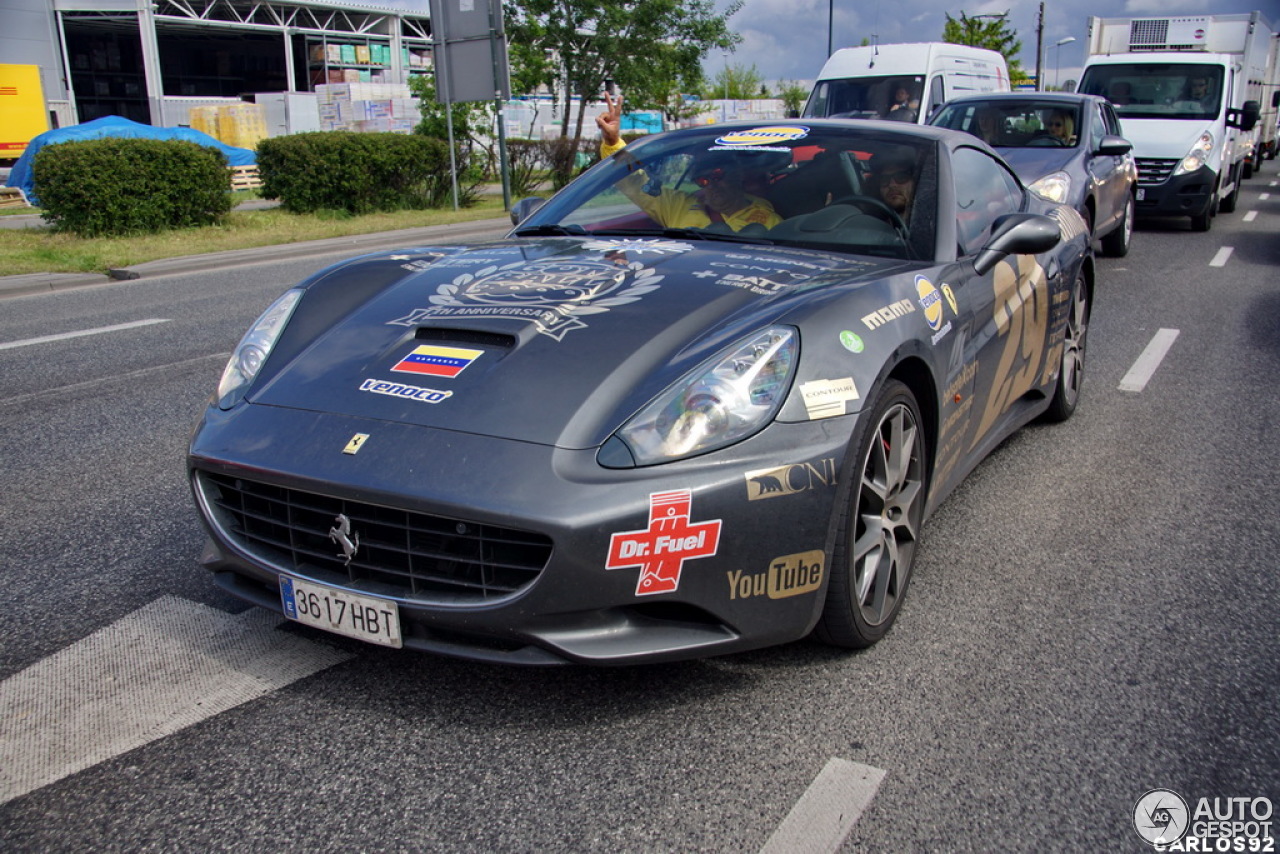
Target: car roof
872,126
1062,97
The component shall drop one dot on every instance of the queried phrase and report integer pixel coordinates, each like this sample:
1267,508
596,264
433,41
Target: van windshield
881,97
1157,91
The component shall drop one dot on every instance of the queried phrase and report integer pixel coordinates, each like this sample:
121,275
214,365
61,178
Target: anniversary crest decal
553,295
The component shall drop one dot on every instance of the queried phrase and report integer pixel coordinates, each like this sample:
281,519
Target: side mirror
1275,99
1246,117
524,208
1114,145
1017,234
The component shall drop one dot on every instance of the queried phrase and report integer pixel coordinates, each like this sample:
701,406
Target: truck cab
903,82
1186,109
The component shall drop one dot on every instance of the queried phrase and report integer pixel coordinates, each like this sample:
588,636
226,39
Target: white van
869,82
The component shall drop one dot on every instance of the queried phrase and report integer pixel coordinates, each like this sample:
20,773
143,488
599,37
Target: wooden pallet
13,197
245,178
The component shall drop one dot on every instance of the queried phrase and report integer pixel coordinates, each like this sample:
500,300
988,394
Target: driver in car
721,197
893,174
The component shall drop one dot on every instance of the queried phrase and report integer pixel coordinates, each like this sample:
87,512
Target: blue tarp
108,126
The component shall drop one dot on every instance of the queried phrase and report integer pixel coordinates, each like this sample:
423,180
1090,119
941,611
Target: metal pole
831,26
494,35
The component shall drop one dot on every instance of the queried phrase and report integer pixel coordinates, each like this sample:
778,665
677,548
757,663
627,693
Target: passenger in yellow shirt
720,199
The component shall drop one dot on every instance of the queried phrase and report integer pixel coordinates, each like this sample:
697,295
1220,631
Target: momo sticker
764,136
552,295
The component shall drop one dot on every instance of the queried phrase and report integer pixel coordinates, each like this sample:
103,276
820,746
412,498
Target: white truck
869,82
1188,91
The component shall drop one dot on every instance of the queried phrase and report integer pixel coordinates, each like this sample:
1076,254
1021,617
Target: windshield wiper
550,230
689,234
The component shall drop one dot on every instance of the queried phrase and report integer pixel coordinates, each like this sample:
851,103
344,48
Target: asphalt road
1094,614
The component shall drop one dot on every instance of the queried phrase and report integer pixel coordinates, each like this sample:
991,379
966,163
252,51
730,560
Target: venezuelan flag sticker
435,361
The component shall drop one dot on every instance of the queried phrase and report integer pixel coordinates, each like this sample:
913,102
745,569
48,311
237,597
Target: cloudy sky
787,39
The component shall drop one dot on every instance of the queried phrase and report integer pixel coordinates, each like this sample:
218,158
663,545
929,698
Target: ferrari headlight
1056,187
718,403
1197,156
252,351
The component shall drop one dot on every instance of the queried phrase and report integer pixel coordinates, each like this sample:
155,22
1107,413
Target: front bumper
1189,194
772,495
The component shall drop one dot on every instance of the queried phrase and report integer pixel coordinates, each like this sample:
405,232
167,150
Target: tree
737,83
793,96
991,32
650,48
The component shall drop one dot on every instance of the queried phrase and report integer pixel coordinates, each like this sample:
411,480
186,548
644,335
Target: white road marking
1264,196
1143,369
63,336
1220,260
828,810
166,666
1250,216
20,399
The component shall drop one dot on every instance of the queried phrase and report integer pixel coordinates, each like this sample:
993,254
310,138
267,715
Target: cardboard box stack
241,125
367,107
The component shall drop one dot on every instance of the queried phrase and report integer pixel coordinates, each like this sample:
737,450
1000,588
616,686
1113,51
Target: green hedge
355,172
109,187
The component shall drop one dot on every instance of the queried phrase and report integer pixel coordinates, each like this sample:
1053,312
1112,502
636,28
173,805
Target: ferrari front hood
555,341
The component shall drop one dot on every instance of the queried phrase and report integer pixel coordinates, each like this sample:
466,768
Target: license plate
1142,194
366,618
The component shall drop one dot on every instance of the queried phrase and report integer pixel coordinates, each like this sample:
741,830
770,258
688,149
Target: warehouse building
153,61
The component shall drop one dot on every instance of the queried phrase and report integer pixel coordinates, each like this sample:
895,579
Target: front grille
1152,171
400,553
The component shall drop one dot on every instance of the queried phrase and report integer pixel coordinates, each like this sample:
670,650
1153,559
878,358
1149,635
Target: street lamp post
1057,57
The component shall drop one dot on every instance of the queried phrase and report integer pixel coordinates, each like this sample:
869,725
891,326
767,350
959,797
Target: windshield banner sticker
552,295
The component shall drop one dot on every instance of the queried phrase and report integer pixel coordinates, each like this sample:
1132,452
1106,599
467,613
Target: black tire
1066,394
1204,221
1116,243
1228,204
880,517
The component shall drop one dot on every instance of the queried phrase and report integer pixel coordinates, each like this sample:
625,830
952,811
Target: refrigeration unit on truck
1188,92
868,82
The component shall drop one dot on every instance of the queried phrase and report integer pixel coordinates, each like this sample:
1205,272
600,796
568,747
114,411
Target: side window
936,96
1113,124
985,190
1099,128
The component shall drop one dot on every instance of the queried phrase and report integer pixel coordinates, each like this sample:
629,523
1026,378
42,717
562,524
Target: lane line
164,667
828,810
1264,196
1220,260
63,336
21,399
1143,369
1250,216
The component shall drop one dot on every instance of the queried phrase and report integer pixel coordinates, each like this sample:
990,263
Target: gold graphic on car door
1021,318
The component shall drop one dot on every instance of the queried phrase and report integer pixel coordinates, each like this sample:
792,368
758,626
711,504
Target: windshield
892,98
849,189
1007,123
1161,91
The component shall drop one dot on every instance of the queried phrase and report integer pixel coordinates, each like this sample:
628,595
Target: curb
459,232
